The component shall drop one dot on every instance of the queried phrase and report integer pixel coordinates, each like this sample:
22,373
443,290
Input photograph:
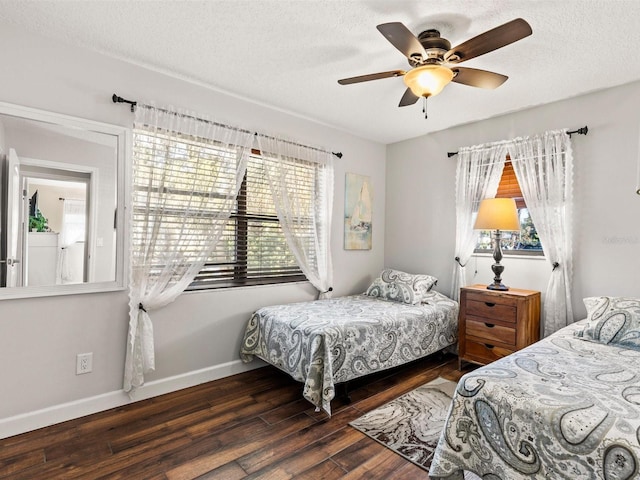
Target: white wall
421,183
198,336
2,139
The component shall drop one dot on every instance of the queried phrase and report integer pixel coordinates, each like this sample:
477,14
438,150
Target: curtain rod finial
118,99
580,131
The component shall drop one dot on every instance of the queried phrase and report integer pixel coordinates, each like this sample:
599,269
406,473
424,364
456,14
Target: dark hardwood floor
249,426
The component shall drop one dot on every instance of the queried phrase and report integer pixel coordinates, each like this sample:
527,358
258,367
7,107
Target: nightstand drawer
494,309
485,352
491,332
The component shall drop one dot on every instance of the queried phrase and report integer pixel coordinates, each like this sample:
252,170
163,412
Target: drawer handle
490,347
489,304
490,325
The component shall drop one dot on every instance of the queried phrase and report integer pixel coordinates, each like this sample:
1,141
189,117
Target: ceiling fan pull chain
424,107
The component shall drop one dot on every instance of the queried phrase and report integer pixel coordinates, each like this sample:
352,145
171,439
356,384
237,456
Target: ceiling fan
434,62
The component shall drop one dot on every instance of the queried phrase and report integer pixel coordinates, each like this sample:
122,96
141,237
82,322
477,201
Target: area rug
411,424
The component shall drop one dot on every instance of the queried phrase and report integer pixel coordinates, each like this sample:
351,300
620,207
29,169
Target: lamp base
497,268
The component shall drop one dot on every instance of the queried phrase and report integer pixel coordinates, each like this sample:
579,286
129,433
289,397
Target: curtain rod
580,131
118,99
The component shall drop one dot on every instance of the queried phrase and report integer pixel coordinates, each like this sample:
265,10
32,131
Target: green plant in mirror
38,223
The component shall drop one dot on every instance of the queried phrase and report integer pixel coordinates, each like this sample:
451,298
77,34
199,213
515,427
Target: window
252,249
524,242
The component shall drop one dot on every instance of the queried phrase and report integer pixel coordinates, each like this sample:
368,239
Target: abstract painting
358,201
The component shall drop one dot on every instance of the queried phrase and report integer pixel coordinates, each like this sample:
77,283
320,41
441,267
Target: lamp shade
428,80
497,214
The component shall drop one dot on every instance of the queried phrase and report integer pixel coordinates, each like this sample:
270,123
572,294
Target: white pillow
401,286
613,320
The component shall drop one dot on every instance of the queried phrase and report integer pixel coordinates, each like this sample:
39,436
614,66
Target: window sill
245,287
525,256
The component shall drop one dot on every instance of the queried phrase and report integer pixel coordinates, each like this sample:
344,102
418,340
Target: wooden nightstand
493,324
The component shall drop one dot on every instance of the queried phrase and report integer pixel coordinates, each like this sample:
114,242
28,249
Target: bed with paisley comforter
567,407
326,342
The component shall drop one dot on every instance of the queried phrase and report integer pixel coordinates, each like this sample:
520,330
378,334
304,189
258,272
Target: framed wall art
358,201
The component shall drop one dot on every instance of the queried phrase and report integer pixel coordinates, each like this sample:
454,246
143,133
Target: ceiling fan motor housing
434,45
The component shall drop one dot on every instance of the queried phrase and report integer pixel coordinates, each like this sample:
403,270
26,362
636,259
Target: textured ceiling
289,54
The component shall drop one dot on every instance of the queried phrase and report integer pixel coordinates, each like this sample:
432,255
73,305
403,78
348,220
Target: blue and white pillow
402,287
613,320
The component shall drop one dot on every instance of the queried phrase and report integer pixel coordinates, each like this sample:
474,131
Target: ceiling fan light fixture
428,80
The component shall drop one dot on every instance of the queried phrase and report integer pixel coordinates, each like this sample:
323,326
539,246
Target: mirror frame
123,135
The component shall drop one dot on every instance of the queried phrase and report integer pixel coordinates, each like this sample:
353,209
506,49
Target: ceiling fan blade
371,76
478,78
408,98
489,41
400,37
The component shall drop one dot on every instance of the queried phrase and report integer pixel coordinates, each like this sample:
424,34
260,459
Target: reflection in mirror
56,239
61,188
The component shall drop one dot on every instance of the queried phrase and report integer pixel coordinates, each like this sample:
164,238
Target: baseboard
45,417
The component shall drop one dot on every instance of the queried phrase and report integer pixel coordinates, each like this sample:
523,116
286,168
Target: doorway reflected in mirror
57,238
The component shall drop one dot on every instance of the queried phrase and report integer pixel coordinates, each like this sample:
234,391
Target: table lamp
497,214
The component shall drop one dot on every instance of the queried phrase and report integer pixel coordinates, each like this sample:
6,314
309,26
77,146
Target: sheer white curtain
186,176
477,177
543,165
74,214
304,211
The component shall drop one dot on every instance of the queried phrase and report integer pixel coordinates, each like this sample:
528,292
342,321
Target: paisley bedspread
329,341
563,408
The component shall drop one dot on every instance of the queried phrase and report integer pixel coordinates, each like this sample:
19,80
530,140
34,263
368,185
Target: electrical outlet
84,363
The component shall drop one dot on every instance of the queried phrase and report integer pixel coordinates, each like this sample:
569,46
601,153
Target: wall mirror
62,204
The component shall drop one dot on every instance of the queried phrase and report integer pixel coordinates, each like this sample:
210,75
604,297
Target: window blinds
252,249
509,186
